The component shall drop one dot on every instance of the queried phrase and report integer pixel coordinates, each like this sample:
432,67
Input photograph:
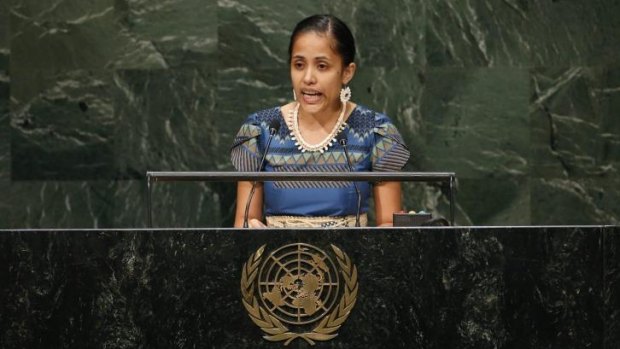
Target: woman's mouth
311,97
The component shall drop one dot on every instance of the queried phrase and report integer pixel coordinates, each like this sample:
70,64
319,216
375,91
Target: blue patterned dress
373,142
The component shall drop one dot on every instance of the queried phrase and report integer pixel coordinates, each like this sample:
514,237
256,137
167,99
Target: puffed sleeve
245,153
389,153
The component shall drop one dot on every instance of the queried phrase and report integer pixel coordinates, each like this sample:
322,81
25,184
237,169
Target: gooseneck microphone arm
342,139
274,127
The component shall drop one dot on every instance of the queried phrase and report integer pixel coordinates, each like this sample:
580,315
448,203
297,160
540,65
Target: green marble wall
519,98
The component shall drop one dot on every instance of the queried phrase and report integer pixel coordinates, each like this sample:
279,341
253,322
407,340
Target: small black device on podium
411,219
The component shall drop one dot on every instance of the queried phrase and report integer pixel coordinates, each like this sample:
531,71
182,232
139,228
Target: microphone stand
342,139
274,126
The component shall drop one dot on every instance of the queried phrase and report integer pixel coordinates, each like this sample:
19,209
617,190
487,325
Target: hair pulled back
330,25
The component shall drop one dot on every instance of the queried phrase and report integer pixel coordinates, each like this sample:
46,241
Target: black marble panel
612,287
423,288
553,287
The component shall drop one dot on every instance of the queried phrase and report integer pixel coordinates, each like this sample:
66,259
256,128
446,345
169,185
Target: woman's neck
322,119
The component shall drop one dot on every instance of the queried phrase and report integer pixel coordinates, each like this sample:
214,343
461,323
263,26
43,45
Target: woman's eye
298,65
322,66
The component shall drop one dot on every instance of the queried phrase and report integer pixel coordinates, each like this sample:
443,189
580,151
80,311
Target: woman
321,57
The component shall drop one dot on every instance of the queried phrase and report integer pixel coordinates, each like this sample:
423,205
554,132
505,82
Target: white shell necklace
322,146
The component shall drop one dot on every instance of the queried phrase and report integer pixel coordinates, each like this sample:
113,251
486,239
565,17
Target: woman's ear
348,73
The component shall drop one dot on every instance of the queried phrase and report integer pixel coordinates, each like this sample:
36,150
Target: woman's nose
309,76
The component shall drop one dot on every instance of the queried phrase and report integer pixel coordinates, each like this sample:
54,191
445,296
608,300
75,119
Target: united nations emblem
297,291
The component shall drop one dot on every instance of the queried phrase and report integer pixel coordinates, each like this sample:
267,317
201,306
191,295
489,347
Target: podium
446,179
435,287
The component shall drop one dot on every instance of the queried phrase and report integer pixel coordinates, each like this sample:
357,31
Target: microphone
274,127
342,139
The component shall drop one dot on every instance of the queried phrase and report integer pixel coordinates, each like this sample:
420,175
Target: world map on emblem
298,283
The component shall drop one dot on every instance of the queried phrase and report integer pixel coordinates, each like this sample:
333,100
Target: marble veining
534,287
518,97
611,275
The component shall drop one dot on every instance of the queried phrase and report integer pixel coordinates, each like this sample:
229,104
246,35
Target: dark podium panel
493,287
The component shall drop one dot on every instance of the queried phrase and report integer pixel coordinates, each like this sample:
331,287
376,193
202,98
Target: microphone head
274,126
341,137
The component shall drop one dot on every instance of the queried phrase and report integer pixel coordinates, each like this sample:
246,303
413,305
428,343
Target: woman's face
317,73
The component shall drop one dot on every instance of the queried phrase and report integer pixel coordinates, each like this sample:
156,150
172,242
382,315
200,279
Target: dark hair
327,24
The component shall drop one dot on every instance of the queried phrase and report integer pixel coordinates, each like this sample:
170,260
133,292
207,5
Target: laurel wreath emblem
274,329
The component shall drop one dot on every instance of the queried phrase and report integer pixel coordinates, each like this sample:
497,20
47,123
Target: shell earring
294,95
345,94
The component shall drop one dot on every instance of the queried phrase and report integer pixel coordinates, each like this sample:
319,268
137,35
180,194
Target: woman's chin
312,108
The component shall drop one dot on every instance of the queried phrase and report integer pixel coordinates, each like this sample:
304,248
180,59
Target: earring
294,95
345,94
